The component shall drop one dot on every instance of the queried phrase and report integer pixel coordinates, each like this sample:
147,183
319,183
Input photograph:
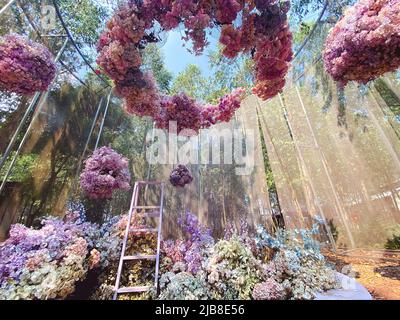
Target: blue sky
177,57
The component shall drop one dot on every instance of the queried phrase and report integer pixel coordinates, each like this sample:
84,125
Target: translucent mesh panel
46,169
346,150
285,163
218,194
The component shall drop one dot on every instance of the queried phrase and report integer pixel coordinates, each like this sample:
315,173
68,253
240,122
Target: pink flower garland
25,66
264,33
365,43
104,172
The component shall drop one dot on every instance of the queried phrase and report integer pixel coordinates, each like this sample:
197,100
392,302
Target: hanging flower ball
180,176
365,43
182,109
256,27
25,66
104,172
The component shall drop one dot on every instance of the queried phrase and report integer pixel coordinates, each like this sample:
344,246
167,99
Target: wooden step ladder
157,212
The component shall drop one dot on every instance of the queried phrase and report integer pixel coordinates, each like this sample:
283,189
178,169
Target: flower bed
241,266
49,262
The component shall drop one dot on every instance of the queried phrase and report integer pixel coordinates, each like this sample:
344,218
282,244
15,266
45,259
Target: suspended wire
72,73
312,30
71,38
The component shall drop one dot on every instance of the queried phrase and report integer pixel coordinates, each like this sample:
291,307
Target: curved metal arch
71,38
40,36
312,30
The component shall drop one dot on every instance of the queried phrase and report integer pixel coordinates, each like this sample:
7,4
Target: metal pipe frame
74,43
102,121
86,145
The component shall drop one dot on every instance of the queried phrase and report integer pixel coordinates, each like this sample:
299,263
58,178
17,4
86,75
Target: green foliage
302,33
191,82
387,94
227,75
393,243
153,60
22,170
84,19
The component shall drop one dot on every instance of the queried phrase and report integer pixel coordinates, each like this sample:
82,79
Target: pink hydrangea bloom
142,99
365,43
231,38
227,10
224,111
25,66
104,172
182,109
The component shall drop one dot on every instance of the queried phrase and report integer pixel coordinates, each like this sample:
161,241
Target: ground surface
378,271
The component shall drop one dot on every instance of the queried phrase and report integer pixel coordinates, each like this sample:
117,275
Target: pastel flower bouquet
47,263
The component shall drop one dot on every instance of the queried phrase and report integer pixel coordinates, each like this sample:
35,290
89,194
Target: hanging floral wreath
180,176
104,172
365,43
25,66
263,33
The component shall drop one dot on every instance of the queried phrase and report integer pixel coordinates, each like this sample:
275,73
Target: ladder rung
133,289
140,257
146,207
152,230
150,182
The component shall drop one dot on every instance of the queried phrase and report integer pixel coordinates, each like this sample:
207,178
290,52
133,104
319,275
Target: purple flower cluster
180,176
195,231
29,248
365,43
182,109
104,172
188,254
25,66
